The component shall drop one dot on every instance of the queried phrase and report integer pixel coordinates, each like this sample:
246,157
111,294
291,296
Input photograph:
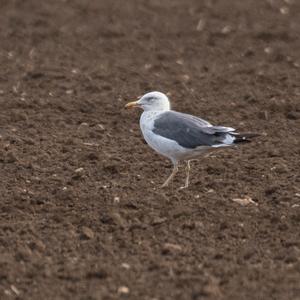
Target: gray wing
191,132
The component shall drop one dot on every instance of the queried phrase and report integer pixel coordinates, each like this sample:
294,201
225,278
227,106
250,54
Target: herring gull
179,136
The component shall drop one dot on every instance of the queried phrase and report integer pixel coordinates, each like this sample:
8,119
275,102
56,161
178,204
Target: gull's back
191,132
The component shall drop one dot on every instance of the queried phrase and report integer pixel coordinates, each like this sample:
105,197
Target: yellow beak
132,104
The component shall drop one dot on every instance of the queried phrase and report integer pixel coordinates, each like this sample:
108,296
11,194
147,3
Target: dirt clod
87,233
171,248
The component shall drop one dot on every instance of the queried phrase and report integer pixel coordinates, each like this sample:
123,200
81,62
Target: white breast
162,145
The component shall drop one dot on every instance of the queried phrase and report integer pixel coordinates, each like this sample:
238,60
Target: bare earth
80,213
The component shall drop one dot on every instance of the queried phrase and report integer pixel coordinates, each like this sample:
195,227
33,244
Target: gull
179,136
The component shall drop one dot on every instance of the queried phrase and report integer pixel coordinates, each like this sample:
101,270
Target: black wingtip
244,137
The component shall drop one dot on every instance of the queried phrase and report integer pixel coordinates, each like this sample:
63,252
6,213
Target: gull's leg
175,170
187,178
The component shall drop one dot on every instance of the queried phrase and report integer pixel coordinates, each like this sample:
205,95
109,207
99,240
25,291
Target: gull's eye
151,99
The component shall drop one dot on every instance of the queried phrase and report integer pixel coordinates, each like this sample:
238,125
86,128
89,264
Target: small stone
10,54
264,115
147,66
284,10
185,77
87,233
158,220
38,245
47,272
226,29
296,65
91,144
83,127
23,254
29,141
200,25
79,170
282,168
118,220
268,50
244,201
123,290
116,199
100,127
15,290
171,248
125,266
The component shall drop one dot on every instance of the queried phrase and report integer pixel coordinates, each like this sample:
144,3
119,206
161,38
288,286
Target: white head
153,101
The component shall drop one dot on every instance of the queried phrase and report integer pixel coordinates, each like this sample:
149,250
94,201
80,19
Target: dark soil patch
81,215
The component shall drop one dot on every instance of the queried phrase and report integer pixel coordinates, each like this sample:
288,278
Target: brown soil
81,215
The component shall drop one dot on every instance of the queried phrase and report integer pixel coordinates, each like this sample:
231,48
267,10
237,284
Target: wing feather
190,131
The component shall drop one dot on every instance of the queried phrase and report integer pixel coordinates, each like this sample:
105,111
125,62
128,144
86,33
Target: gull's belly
162,145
